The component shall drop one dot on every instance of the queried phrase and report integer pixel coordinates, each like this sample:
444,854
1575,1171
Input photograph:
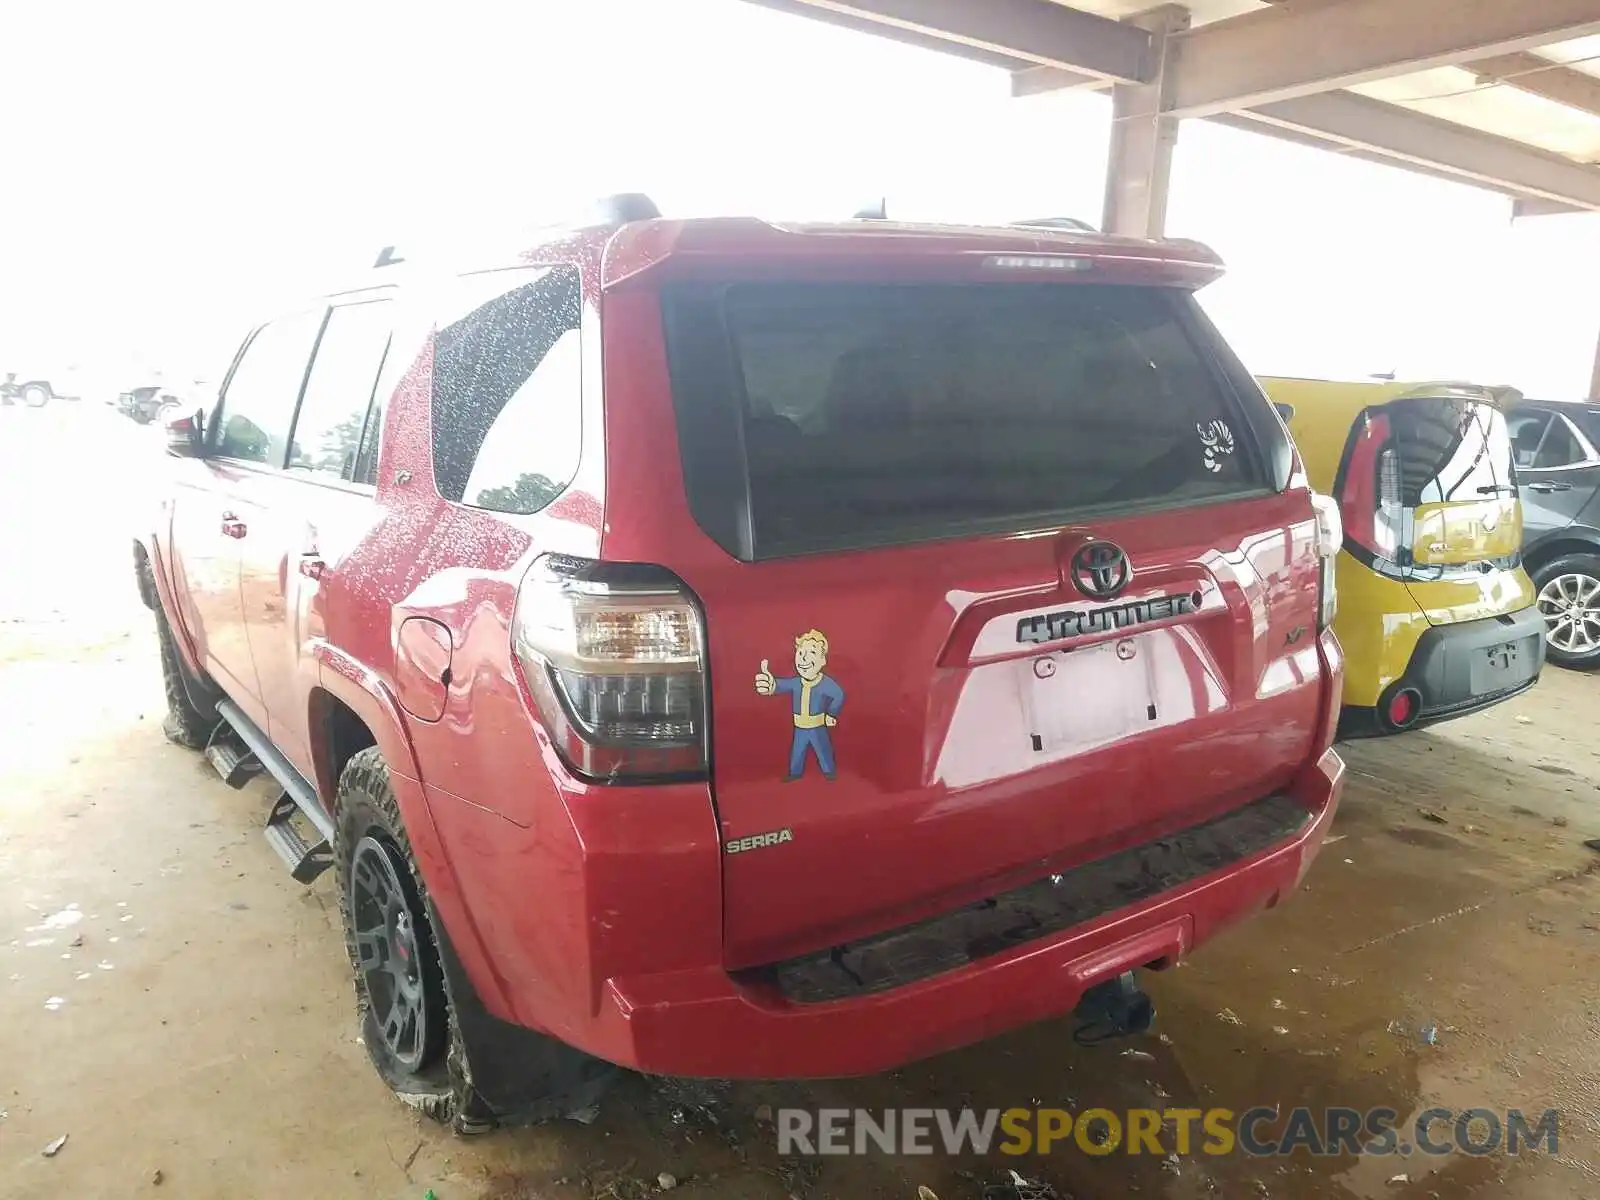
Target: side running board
305,858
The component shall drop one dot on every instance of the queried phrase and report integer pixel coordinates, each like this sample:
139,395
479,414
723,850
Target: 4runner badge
759,841
815,700
1055,626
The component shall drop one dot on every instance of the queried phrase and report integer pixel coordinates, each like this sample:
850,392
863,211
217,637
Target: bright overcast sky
168,169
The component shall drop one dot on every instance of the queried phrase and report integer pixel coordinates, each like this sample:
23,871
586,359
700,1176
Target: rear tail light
1330,536
1370,503
614,655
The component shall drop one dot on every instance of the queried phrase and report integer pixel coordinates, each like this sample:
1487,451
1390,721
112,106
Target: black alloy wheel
384,915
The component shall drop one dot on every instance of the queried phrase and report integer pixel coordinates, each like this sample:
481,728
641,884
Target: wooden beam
1414,139
1524,207
1541,77
1305,137
1032,81
1037,32
906,37
1288,51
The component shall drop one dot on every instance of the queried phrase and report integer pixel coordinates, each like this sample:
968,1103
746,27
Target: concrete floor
193,1024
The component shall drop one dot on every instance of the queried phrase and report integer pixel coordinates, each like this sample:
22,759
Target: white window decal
1217,439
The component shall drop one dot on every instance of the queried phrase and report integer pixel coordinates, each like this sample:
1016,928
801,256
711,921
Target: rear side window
258,406
1559,448
1588,420
507,391
1450,451
338,395
873,414
1527,434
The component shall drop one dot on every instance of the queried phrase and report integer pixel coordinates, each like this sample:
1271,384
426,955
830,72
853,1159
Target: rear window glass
1450,451
508,390
1588,420
868,414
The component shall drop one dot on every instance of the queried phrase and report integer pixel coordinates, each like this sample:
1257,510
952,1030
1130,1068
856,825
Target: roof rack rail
1057,223
620,208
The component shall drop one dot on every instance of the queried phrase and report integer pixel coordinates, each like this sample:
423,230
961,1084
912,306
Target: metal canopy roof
1500,93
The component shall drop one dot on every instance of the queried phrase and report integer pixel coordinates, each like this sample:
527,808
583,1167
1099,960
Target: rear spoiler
1501,396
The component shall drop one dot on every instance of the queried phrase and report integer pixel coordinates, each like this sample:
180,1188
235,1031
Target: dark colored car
726,649
145,404
1557,451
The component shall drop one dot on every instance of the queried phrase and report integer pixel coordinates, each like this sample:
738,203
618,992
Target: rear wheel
1569,602
35,395
425,1028
400,992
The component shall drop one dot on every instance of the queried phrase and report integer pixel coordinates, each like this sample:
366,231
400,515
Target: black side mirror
186,435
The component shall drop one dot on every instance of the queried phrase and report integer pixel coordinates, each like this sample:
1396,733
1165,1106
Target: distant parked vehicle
1437,618
145,404
1557,451
35,390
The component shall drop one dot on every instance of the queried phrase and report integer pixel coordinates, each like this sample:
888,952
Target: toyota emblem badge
1100,570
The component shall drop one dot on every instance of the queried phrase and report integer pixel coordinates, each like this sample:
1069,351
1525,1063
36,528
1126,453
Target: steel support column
1139,167
1594,382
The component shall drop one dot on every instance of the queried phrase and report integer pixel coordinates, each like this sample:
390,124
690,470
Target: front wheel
185,724
1569,602
35,395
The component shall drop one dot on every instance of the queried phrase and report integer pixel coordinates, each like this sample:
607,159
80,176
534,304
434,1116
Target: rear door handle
232,526
1547,487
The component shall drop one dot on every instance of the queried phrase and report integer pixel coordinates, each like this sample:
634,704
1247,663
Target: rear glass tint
507,389
1451,451
1588,420
872,414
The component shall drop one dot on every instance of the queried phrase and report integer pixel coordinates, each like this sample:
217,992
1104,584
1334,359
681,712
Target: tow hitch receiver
1116,1008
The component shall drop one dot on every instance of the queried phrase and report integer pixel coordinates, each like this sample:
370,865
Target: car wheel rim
387,957
1570,606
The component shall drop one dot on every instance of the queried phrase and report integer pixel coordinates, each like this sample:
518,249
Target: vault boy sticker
815,702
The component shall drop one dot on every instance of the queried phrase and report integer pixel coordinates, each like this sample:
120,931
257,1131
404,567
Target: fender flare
1576,532
169,606
364,692
360,689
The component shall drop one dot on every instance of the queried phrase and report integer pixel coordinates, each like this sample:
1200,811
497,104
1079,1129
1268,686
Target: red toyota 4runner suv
721,648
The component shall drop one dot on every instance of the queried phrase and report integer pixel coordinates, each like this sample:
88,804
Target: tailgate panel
959,772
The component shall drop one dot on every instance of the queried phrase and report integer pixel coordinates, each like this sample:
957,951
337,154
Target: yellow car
1436,615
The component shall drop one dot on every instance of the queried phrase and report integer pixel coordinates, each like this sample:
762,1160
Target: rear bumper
704,1022
1448,671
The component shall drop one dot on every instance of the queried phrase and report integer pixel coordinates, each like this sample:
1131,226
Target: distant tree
529,494
336,447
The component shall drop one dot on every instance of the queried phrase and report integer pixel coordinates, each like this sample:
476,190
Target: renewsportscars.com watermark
1264,1131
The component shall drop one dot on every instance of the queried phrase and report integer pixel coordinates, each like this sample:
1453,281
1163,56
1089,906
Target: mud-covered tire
478,1072
185,724
367,814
